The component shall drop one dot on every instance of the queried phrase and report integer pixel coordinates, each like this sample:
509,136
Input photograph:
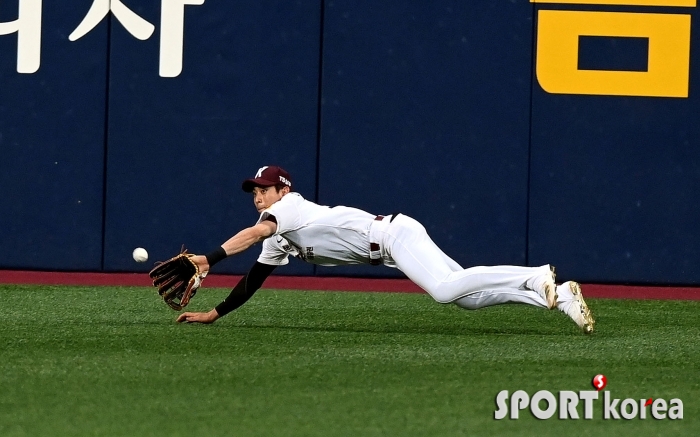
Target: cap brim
249,184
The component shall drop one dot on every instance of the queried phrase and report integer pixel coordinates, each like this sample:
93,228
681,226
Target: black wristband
215,256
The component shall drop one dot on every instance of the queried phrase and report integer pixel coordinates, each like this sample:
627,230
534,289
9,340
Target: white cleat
575,307
546,286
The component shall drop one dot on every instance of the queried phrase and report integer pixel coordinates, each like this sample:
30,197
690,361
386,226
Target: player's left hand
191,317
201,262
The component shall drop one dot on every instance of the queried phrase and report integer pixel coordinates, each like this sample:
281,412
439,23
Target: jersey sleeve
273,252
286,214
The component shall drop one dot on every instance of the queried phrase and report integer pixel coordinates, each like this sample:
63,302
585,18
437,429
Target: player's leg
571,303
451,264
482,299
425,264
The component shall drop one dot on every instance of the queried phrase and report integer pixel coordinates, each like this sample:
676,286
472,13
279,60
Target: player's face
265,197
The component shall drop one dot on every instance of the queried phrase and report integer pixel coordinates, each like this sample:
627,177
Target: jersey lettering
314,232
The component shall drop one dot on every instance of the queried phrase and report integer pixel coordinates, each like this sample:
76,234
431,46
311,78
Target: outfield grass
110,361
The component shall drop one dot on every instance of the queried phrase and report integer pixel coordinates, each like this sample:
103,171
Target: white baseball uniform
342,235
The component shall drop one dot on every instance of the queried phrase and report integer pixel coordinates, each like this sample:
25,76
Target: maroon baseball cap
268,176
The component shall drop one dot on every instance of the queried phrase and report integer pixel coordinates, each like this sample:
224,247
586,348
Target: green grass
110,361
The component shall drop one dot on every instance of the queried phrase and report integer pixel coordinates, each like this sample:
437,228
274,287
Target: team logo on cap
260,171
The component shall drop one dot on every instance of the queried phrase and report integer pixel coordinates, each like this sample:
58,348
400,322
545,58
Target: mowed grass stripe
111,361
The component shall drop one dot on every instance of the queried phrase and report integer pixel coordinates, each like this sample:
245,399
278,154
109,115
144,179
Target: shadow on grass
412,329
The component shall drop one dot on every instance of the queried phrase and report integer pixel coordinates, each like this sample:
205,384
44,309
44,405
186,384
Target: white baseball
140,255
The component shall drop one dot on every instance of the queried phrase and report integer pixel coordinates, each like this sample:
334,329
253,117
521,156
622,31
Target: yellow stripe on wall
680,3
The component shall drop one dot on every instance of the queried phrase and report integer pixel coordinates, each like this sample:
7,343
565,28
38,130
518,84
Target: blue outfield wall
614,177
52,145
468,117
419,116
180,147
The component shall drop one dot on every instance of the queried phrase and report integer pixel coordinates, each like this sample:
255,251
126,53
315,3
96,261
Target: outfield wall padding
442,110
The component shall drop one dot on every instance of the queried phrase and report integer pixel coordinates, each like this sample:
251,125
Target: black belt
375,255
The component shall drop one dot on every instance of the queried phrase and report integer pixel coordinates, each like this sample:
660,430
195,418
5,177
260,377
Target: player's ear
285,190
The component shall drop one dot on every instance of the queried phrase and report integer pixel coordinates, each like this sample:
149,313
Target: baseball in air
140,255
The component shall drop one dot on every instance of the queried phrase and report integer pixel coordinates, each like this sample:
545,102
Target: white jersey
341,235
315,233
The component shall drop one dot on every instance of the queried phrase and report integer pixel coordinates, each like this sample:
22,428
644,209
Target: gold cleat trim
550,290
588,320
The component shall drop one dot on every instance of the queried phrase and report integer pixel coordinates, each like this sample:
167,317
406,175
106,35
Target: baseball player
329,236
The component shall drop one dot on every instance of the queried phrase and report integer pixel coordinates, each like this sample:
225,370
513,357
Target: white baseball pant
405,244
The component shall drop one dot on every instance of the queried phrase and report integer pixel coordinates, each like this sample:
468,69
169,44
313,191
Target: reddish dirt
323,283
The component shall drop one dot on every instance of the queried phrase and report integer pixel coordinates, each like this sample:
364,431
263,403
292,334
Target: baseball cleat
546,286
576,308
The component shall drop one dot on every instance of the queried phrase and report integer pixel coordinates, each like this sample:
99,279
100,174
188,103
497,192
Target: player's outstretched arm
249,236
244,290
236,244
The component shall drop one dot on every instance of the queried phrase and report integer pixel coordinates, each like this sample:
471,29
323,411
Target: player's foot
546,287
571,302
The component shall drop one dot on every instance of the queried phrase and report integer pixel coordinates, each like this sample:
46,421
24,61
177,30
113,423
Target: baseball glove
177,279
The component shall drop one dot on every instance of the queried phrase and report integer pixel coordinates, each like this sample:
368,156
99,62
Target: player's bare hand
191,317
201,262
